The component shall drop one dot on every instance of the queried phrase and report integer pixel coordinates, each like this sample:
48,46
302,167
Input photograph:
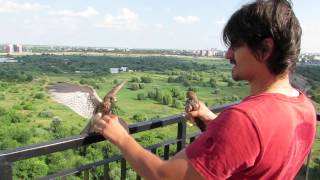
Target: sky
161,24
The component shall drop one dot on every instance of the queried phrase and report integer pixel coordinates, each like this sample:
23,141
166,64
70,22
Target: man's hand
203,113
111,129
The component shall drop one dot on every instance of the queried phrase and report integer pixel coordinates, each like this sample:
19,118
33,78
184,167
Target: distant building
114,70
8,48
123,69
17,48
13,48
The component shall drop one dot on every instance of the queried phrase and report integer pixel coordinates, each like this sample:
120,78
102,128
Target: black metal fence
8,157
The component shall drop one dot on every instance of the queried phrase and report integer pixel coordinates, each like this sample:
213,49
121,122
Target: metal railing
8,157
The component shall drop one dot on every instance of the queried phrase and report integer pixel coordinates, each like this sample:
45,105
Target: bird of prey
193,104
84,101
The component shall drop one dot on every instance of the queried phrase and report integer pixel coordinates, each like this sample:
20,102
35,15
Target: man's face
245,64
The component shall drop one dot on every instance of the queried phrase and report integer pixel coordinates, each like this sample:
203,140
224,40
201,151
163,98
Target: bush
171,79
135,79
141,86
139,117
151,95
15,117
134,86
167,99
141,96
177,104
146,79
2,97
39,96
46,114
3,111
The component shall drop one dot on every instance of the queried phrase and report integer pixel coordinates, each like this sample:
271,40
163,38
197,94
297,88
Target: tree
159,95
152,95
139,117
175,92
213,82
177,104
140,96
135,79
167,99
146,79
39,96
29,78
30,169
141,86
134,86
171,79
46,114
55,124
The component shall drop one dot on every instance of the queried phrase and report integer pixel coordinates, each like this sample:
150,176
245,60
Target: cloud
13,7
159,26
125,20
90,11
220,21
308,41
186,19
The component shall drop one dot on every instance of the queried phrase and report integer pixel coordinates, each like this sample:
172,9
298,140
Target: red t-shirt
266,136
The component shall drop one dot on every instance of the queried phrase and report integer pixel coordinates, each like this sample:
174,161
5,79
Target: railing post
5,169
86,175
106,170
123,167
182,135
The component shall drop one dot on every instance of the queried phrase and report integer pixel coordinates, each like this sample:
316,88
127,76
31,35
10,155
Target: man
266,136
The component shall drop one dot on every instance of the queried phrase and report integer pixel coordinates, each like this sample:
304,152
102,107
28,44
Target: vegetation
156,88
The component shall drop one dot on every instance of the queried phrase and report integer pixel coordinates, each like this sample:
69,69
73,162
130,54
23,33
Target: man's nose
229,54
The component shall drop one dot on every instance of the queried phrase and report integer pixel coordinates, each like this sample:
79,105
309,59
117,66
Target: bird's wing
114,91
81,99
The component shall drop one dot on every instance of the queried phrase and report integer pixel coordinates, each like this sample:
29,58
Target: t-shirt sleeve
229,145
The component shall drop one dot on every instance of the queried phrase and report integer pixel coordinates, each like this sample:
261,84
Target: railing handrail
36,150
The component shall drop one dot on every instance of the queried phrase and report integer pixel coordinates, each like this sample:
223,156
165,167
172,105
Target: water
7,60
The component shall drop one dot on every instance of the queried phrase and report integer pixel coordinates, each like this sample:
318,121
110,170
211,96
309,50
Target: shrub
134,86
46,114
39,96
146,79
141,96
139,117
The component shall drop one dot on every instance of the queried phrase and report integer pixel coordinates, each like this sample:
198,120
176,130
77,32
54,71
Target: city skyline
141,24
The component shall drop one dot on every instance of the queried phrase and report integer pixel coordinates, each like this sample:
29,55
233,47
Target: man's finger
101,123
97,129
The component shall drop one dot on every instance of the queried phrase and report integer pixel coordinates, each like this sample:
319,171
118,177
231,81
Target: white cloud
308,41
90,11
13,7
220,21
159,26
125,20
186,19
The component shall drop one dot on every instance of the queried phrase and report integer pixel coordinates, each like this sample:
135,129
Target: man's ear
267,49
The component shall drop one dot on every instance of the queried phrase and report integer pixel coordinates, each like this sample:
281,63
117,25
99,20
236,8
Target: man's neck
273,84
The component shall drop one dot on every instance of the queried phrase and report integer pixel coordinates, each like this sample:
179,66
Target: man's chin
236,77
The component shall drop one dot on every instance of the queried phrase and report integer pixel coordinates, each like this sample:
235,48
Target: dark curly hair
263,19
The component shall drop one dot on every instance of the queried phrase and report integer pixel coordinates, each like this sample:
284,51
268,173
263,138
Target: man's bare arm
146,164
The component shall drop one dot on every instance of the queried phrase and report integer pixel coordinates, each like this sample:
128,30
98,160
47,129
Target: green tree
141,86
141,96
134,86
146,79
177,104
139,117
30,169
135,79
167,99
39,96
